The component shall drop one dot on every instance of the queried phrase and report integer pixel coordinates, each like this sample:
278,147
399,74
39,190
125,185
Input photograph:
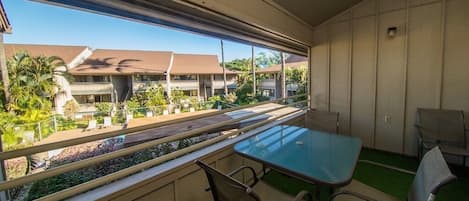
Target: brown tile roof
67,53
109,62
278,67
5,26
197,64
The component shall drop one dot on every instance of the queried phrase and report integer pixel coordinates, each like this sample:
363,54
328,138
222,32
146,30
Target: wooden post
224,67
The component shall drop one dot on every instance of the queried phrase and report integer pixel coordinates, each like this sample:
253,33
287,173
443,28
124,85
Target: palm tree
33,80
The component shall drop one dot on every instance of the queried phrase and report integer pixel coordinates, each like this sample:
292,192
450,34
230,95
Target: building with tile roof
109,75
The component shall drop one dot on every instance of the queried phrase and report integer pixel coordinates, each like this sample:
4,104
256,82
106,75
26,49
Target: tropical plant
155,97
133,104
32,80
10,135
177,96
231,98
104,108
70,108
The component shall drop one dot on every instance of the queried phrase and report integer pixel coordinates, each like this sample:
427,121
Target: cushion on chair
269,193
448,149
361,188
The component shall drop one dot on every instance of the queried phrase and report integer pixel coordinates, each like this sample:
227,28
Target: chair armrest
254,175
302,195
350,193
387,167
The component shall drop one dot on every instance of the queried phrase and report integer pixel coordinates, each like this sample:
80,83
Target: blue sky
37,23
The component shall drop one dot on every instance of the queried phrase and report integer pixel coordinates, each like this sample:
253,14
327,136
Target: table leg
317,194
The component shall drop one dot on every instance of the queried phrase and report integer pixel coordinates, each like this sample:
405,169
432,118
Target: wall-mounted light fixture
392,32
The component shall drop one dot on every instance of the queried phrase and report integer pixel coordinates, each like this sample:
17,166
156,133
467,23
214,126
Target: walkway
78,133
174,129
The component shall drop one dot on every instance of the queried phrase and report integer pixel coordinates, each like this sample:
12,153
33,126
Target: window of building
89,99
184,77
148,78
219,92
268,92
190,92
85,78
219,77
100,78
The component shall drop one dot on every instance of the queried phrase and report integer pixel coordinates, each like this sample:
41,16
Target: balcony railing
275,114
219,84
90,88
142,85
185,84
267,84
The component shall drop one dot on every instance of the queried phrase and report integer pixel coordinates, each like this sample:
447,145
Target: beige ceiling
314,12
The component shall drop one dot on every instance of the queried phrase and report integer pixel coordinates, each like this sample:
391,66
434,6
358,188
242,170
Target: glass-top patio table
313,156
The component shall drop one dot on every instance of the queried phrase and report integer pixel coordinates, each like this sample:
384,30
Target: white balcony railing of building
219,84
175,168
267,84
91,88
185,84
142,85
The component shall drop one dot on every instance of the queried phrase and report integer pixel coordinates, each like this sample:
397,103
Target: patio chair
91,125
107,122
443,128
322,121
225,188
431,175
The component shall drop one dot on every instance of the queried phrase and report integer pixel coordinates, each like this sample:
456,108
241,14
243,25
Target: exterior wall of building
377,82
122,85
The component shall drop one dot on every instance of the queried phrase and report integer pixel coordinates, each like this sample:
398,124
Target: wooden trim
406,66
375,78
443,48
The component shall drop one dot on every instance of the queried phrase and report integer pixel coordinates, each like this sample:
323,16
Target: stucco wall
377,82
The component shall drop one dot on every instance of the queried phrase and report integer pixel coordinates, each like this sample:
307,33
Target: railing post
54,119
39,131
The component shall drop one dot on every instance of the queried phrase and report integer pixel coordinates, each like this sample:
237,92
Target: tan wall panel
320,71
365,8
390,83
163,194
456,67
409,73
340,68
389,5
420,2
192,187
424,66
363,79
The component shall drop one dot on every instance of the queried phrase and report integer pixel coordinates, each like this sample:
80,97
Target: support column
283,76
253,68
198,88
212,85
224,67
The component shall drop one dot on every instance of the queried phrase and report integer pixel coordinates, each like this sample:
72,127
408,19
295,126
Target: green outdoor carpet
388,181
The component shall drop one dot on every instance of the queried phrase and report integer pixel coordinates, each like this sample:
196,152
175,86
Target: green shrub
104,109
70,108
